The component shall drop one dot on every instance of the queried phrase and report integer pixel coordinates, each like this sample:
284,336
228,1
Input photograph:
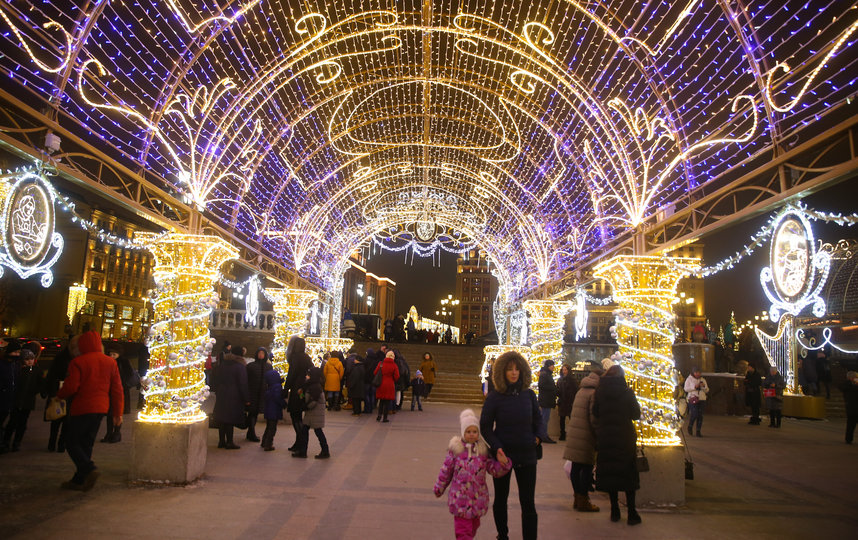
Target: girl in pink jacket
465,468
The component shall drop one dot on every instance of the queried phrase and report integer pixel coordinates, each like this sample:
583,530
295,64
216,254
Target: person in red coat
386,393
93,381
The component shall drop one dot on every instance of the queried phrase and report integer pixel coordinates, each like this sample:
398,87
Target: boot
324,454
634,517
615,513
576,505
778,421
586,506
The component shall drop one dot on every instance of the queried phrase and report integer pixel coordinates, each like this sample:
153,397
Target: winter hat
27,354
468,418
548,363
419,373
607,363
13,346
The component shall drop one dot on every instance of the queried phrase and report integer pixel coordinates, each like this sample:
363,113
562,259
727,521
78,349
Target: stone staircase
457,367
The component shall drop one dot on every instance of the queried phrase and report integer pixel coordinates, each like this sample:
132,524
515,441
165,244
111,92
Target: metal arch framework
555,134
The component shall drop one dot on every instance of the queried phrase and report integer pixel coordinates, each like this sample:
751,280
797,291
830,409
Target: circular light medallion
790,258
29,223
425,230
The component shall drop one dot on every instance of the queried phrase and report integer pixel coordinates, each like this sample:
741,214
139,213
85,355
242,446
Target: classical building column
290,318
644,287
547,318
186,269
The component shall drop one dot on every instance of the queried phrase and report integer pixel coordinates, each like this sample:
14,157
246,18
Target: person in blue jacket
512,425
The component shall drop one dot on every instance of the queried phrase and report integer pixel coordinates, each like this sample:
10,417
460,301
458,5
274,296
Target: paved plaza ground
750,482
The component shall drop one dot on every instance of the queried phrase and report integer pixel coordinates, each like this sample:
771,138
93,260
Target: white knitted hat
468,418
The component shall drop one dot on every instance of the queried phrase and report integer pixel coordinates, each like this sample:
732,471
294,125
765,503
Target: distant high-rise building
476,289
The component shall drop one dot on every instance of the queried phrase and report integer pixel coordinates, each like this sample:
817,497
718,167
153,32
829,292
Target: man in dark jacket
93,381
256,388
547,394
27,383
753,383
850,399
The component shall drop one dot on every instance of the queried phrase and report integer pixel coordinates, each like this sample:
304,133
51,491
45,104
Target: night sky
423,284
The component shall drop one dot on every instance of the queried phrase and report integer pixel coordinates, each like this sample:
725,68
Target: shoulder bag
641,461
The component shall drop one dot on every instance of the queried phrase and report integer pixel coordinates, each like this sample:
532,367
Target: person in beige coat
427,367
581,441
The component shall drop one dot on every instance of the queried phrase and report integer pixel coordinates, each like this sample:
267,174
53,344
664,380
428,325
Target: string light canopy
538,130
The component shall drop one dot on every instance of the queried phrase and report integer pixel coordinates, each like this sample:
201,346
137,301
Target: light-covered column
644,287
186,269
547,318
317,346
290,318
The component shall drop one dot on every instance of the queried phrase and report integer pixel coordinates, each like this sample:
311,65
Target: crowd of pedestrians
375,382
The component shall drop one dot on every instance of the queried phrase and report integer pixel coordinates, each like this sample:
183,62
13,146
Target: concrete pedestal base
664,483
804,406
168,453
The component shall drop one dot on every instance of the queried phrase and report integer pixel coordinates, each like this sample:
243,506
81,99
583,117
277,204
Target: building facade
118,280
476,289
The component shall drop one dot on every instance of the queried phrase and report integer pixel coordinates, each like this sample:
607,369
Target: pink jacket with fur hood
464,470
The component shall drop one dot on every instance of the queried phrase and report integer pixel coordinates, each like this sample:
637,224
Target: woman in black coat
567,387
356,383
512,425
232,397
256,387
299,364
615,407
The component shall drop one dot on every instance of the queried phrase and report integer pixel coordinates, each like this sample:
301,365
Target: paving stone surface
750,482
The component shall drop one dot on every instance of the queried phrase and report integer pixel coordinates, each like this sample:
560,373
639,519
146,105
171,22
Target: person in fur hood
465,467
512,425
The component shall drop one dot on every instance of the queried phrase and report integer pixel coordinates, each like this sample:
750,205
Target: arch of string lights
538,130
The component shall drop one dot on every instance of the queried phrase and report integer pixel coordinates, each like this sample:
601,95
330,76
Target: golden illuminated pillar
290,318
547,318
186,269
317,346
644,288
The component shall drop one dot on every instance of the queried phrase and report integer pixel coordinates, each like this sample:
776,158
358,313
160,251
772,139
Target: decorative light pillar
290,318
644,287
547,318
186,269
77,299
319,345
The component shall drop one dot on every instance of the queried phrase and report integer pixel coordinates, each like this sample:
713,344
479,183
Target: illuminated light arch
613,113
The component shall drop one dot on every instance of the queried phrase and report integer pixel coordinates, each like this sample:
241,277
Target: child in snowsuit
418,390
465,466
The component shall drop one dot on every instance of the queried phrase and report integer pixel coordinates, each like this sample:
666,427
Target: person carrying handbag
697,390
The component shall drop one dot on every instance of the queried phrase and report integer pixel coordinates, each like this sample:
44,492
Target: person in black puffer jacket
230,382
299,364
256,387
512,425
356,383
615,407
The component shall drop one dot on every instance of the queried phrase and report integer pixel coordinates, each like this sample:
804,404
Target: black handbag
641,461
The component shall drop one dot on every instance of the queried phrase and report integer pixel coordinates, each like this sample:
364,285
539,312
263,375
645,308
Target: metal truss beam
102,176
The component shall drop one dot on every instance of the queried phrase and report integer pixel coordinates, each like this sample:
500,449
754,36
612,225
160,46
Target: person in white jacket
696,390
